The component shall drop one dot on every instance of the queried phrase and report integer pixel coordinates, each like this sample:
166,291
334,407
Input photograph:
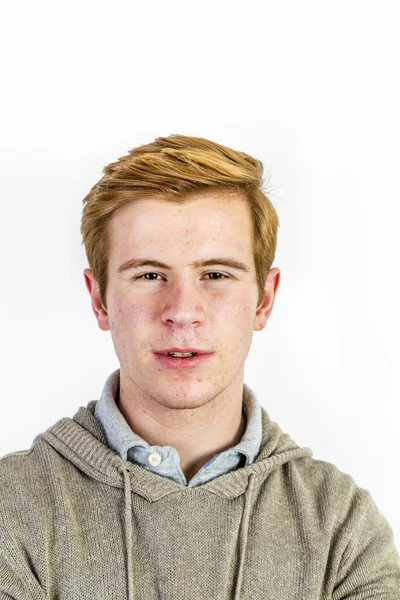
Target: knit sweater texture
77,521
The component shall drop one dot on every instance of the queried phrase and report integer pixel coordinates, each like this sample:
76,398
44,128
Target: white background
311,89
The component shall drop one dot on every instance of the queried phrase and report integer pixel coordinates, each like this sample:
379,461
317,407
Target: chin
184,395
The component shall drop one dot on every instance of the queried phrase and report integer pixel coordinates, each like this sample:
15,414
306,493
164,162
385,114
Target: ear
100,312
267,304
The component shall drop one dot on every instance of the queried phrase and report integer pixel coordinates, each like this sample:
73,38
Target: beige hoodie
77,521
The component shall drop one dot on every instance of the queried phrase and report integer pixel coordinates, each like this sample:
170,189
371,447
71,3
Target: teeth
181,353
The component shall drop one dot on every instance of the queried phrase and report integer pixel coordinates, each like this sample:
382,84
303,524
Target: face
212,308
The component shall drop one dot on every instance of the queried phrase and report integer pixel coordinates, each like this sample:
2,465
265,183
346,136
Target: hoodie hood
82,441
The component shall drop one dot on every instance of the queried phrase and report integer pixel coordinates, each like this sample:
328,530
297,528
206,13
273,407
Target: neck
198,429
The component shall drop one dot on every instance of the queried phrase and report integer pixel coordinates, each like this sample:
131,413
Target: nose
183,306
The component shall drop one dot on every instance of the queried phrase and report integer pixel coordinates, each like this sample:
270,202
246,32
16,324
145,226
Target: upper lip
197,350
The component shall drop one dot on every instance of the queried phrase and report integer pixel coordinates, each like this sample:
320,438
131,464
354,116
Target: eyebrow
144,262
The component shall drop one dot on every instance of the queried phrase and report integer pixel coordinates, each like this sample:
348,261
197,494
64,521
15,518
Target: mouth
182,351
172,359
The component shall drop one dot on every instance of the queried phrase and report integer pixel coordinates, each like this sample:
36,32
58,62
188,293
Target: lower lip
182,363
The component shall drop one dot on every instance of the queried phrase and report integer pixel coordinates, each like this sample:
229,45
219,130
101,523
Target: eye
144,275
222,276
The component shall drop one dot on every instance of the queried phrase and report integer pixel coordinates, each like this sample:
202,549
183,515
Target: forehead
217,220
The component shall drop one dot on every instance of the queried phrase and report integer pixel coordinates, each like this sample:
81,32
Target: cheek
237,319
243,316
127,316
238,308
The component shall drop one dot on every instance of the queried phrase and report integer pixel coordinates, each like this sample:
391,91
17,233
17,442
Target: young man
176,484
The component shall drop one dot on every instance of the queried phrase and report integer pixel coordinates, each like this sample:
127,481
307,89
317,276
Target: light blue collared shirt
165,460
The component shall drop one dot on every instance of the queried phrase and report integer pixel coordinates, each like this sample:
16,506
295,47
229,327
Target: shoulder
16,464
20,470
320,477
26,478
331,495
